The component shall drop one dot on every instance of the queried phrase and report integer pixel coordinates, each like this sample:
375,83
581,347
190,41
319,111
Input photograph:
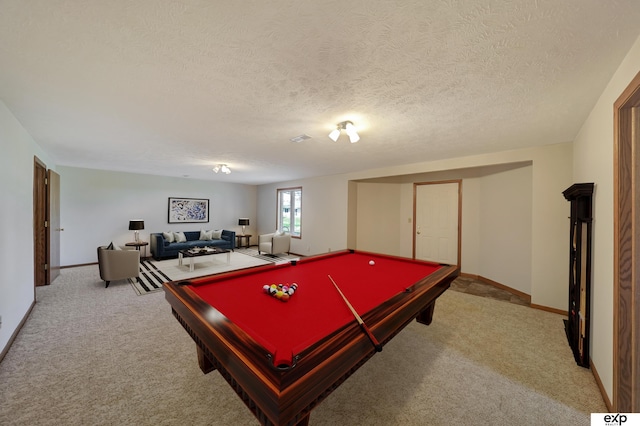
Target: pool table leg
304,421
426,315
207,367
204,362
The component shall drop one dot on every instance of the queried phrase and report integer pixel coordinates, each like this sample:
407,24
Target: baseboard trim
5,351
78,265
473,276
548,309
605,397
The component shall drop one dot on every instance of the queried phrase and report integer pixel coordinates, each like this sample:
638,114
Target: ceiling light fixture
221,168
349,129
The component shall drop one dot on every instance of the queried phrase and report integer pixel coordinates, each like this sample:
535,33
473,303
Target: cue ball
371,262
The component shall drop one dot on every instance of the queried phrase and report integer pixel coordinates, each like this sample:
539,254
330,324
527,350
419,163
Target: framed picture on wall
188,210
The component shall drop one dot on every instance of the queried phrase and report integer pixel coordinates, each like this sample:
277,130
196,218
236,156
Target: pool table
284,357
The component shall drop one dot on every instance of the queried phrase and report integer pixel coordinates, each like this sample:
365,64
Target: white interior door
436,221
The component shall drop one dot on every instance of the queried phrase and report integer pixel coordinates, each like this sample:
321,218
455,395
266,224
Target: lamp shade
351,131
244,221
136,225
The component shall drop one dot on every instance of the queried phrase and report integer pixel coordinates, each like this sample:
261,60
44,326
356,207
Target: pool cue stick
364,327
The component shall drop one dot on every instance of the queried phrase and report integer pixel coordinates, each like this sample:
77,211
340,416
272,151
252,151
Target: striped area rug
154,273
150,279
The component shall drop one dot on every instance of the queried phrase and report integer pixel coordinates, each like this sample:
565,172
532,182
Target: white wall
96,206
550,227
593,162
496,232
505,225
471,204
378,218
324,213
16,223
325,222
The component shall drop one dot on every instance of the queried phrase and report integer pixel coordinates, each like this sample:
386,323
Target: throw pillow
180,237
168,237
206,235
216,235
110,246
279,233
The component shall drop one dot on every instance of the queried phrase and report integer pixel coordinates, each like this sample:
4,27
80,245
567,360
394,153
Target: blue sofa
162,249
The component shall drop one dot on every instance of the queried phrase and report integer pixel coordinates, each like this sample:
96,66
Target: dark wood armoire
580,240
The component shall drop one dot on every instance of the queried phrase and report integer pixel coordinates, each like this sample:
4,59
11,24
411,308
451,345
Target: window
290,210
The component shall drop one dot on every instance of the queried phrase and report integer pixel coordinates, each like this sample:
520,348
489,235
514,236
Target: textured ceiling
172,87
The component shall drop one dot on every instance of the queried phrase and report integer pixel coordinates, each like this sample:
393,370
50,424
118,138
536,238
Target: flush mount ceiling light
349,129
221,168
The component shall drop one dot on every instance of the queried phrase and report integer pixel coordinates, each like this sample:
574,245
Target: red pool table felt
316,309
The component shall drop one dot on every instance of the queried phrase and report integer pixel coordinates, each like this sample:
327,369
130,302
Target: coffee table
198,252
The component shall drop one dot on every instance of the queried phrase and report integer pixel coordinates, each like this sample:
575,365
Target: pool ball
371,262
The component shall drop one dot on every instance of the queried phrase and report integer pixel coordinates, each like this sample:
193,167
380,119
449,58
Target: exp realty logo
615,419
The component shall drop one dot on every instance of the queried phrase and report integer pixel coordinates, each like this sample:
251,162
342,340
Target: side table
239,239
139,244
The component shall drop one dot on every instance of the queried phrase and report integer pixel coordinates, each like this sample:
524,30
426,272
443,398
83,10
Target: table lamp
244,221
136,225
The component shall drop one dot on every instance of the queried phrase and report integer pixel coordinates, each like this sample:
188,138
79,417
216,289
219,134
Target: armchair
116,264
274,243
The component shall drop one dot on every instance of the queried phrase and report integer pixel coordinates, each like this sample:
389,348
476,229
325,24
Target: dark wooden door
626,265
39,223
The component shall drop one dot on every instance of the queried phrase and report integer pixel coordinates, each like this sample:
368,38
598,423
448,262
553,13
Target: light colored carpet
94,356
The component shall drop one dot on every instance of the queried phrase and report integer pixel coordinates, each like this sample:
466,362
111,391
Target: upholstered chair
274,243
116,264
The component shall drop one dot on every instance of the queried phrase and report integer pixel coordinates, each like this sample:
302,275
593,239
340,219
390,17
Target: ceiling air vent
300,138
